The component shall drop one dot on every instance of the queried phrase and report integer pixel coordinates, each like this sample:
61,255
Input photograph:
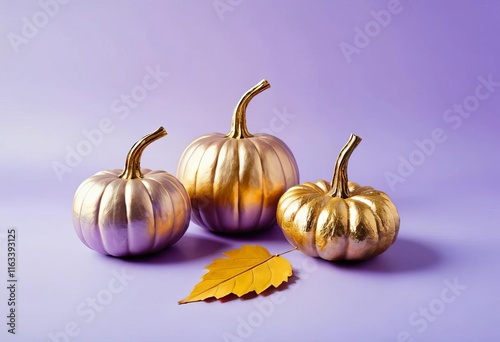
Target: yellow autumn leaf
250,268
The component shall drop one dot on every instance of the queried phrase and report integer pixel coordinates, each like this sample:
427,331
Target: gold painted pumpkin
339,220
236,180
132,211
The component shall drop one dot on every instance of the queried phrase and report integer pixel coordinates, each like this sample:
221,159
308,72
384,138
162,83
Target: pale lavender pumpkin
132,211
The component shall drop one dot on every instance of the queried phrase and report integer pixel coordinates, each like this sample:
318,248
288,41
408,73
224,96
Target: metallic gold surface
340,220
132,211
235,180
132,168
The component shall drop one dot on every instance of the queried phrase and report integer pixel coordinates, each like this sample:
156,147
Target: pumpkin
132,211
340,220
235,180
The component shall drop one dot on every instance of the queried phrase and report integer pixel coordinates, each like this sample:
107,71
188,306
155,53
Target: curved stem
132,168
340,187
239,125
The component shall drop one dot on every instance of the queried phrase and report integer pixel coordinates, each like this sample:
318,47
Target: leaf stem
289,251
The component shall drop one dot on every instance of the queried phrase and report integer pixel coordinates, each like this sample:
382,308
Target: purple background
67,77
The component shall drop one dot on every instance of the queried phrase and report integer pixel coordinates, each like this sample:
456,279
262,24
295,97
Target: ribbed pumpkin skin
235,184
124,217
358,227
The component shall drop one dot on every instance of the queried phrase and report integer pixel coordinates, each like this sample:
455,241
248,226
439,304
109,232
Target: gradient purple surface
397,89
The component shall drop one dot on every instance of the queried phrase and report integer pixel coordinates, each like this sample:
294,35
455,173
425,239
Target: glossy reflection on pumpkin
235,180
134,211
338,220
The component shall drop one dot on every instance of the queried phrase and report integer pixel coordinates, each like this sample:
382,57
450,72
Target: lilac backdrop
395,73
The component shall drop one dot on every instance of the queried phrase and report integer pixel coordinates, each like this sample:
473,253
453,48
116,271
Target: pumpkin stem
340,187
132,168
239,125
